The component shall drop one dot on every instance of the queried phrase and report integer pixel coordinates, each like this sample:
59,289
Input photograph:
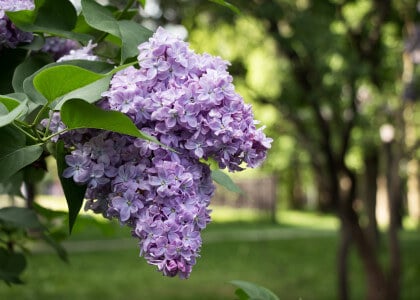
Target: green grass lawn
295,262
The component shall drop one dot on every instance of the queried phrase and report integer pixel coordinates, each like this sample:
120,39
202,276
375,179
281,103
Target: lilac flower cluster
10,35
58,47
84,53
186,101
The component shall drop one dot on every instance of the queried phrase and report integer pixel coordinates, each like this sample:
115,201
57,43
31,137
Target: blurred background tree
335,82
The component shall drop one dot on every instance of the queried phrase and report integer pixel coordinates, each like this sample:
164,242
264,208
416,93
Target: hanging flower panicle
188,102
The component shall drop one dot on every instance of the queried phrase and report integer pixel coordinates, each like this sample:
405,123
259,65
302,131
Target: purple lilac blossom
59,47
84,53
188,102
11,36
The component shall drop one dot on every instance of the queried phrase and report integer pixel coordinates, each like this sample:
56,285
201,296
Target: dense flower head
186,101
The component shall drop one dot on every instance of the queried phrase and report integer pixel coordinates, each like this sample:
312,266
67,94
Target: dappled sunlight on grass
294,257
230,214
307,219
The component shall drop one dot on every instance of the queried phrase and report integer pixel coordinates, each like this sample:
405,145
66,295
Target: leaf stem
39,115
26,133
126,8
45,139
22,124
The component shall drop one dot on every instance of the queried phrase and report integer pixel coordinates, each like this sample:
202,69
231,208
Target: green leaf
13,161
3,110
224,180
12,185
60,80
19,217
241,294
78,114
11,266
100,17
142,2
59,14
55,17
90,93
132,35
16,104
14,155
129,33
74,193
11,138
253,291
228,5
93,66
27,68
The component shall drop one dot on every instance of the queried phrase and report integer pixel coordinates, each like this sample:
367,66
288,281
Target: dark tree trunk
30,191
325,202
395,203
371,162
342,263
376,283
297,193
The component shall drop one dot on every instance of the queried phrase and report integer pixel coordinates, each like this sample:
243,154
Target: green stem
118,17
126,8
45,139
26,133
47,128
39,116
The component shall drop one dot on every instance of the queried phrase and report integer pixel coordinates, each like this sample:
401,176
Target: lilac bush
188,102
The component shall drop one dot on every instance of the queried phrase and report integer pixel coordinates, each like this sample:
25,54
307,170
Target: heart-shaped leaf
76,114
26,69
62,79
16,105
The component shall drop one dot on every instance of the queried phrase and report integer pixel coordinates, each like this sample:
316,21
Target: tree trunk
30,193
394,202
371,163
413,190
376,283
342,263
325,194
